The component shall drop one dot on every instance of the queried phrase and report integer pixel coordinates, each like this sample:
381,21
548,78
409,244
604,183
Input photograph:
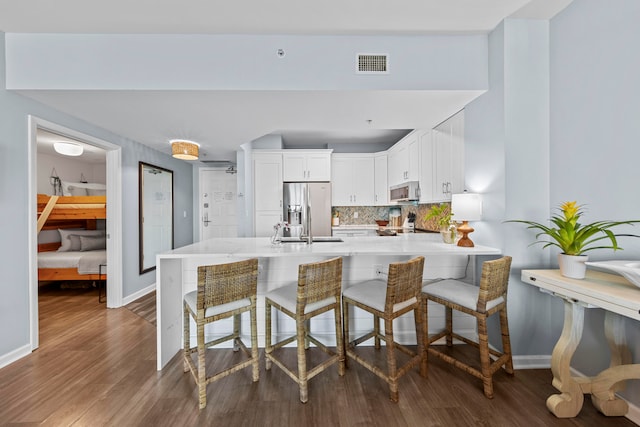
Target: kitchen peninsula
278,265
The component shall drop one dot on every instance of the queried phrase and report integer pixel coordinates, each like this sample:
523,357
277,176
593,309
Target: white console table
619,298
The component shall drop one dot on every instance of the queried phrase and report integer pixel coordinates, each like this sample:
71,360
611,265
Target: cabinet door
381,187
341,183
427,165
264,222
413,158
318,167
267,182
294,167
443,161
397,162
363,181
457,153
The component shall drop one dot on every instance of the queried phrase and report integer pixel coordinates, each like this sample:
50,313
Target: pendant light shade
184,150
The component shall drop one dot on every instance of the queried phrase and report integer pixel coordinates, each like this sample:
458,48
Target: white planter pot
573,266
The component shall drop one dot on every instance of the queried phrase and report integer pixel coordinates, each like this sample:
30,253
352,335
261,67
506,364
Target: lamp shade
184,150
68,148
466,206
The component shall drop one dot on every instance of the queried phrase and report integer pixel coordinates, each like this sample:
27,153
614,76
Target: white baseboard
9,358
532,362
634,413
139,294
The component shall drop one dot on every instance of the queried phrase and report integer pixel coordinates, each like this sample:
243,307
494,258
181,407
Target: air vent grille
372,64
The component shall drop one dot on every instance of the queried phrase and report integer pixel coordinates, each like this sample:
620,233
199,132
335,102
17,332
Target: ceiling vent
368,63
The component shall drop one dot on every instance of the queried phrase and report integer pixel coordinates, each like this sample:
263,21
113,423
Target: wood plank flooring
97,367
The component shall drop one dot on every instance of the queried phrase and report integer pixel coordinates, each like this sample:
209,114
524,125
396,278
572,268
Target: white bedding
71,259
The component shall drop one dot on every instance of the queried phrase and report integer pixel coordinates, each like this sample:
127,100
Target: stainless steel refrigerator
307,203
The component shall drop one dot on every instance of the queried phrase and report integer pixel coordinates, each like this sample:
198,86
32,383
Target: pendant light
184,149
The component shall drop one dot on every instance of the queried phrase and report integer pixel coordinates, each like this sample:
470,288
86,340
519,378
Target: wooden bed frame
56,212
70,211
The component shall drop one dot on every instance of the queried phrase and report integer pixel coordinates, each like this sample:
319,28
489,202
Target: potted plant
574,239
442,214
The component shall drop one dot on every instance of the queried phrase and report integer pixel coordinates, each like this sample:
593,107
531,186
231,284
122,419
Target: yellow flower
570,210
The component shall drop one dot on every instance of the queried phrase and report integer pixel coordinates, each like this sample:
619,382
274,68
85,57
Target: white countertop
408,243
172,273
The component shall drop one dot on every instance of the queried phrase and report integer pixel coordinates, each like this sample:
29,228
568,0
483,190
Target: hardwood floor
97,367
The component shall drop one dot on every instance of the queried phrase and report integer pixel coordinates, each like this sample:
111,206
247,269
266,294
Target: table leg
604,386
569,402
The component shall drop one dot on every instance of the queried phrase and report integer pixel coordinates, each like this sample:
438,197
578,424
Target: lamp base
465,229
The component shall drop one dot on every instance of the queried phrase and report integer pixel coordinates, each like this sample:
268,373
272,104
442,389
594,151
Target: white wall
200,61
68,169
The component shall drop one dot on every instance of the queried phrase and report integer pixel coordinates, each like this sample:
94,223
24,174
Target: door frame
114,214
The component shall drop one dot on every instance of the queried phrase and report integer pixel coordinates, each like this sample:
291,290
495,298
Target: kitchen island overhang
278,265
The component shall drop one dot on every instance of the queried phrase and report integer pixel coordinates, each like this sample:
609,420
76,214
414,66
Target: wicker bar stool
479,302
225,290
388,301
317,291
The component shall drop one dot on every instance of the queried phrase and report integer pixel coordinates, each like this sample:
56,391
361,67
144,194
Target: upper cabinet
267,192
404,160
352,180
381,186
306,165
448,158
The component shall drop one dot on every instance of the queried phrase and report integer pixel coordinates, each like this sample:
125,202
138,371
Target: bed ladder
42,219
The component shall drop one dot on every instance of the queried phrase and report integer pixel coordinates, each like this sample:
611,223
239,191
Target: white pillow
92,243
70,189
65,240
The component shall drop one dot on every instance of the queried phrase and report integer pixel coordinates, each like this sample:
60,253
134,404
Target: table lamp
466,207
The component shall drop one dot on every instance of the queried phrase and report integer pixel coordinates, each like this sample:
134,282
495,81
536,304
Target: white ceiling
222,121
90,154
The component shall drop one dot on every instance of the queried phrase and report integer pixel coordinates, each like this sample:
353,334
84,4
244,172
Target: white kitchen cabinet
352,180
380,185
404,160
448,158
267,192
427,165
306,165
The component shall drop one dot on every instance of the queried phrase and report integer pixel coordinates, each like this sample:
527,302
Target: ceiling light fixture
68,148
184,149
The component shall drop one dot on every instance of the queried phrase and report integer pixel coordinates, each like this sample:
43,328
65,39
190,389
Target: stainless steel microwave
405,192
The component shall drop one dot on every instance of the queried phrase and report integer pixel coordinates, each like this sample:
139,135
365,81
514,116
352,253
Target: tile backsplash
369,214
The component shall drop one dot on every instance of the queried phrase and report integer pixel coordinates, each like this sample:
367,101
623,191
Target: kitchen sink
318,239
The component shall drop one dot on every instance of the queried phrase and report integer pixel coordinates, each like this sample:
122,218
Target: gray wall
595,134
559,123
15,218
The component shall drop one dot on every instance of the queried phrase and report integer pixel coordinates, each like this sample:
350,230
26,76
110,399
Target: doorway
218,203
114,215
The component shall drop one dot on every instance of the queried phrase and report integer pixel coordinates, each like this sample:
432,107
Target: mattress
87,262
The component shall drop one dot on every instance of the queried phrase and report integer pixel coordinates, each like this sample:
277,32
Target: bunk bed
81,254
